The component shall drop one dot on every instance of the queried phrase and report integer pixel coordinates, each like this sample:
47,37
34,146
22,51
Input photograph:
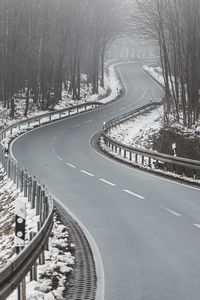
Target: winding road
147,228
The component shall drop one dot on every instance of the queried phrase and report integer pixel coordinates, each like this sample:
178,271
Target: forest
175,26
45,44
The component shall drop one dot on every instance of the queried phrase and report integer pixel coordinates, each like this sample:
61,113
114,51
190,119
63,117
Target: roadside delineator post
19,240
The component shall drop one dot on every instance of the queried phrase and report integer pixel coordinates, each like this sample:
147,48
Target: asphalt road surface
147,228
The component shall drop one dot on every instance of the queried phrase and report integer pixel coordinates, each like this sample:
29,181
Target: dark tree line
47,44
175,25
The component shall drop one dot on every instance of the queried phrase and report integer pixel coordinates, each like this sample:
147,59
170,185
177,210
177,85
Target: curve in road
147,228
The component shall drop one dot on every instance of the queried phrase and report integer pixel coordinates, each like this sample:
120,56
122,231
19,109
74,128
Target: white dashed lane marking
70,165
101,117
197,225
88,121
171,211
87,173
133,194
123,108
76,126
107,182
60,158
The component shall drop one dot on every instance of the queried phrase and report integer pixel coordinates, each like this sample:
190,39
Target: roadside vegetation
47,46
174,25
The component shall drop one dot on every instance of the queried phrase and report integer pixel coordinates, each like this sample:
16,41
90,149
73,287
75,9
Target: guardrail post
17,176
33,194
41,207
46,207
11,169
22,290
194,174
165,166
136,157
25,184
47,245
124,153
69,111
183,171
130,156
21,180
156,164
29,182
33,270
142,159
29,188
149,162
42,257
38,199
8,167
14,173
174,168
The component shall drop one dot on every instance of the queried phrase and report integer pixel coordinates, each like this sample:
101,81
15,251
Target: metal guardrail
58,114
148,158
38,194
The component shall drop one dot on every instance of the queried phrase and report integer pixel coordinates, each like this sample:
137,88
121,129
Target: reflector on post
20,217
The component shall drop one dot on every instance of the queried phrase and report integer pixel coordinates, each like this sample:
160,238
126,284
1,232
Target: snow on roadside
60,255
112,83
156,73
137,131
106,94
8,194
59,259
59,262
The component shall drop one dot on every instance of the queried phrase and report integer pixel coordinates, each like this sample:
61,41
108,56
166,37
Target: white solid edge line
189,186
87,173
101,288
108,182
134,194
70,165
157,82
171,211
100,291
197,225
96,254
